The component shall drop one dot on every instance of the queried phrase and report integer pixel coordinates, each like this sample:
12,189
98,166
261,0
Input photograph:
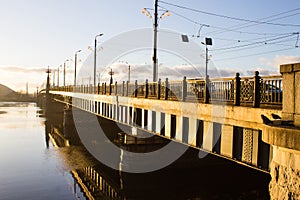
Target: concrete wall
291,95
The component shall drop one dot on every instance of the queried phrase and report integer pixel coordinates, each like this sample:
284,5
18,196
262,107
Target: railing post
105,88
146,89
98,88
206,90
116,88
158,88
127,91
237,90
135,88
123,87
256,90
166,89
110,88
184,89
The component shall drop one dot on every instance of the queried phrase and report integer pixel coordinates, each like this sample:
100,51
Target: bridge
250,120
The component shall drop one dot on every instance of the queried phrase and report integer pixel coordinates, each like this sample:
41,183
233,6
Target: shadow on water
188,177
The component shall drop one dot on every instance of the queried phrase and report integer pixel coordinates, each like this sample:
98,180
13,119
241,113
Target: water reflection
187,178
28,170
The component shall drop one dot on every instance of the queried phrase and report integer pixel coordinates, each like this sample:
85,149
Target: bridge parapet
253,91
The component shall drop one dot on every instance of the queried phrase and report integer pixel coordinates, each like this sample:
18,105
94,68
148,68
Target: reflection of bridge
209,116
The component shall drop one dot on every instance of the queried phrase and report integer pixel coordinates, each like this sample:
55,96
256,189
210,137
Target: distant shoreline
24,99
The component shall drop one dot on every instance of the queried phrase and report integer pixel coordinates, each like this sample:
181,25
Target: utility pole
95,57
128,73
111,73
53,78
208,41
58,75
75,70
155,25
64,73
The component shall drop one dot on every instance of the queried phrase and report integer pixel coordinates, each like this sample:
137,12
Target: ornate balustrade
255,91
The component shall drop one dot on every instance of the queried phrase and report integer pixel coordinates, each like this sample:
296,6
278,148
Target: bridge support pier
285,172
285,140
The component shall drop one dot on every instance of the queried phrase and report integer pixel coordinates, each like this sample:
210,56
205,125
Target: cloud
141,72
262,72
23,69
279,60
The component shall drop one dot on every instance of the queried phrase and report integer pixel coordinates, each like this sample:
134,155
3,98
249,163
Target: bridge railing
254,91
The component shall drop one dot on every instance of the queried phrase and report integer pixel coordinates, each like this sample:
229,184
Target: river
32,166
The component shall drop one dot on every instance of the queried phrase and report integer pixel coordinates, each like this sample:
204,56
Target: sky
247,36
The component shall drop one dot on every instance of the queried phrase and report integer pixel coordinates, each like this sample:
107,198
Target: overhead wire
256,54
229,17
248,24
220,28
278,43
254,43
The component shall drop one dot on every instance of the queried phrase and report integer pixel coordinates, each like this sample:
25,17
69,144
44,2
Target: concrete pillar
250,146
291,92
227,140
109,110
255,148
168,125
114,112
149,124
124,109
208,136
158,122
192,131
179,126
126,114
120,108
143,119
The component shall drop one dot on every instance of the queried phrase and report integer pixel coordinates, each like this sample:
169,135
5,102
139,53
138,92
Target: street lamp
128,69
65,71
111,73
75,66
58,75
128,73
95,57
53,78
155,26
208,41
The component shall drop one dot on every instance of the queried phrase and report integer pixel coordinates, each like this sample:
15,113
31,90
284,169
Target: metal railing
255,91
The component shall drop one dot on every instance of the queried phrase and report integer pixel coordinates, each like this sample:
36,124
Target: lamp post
208,41
65,71
155,26
53,78
111,73
75,66
95,57
58,75
128,73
